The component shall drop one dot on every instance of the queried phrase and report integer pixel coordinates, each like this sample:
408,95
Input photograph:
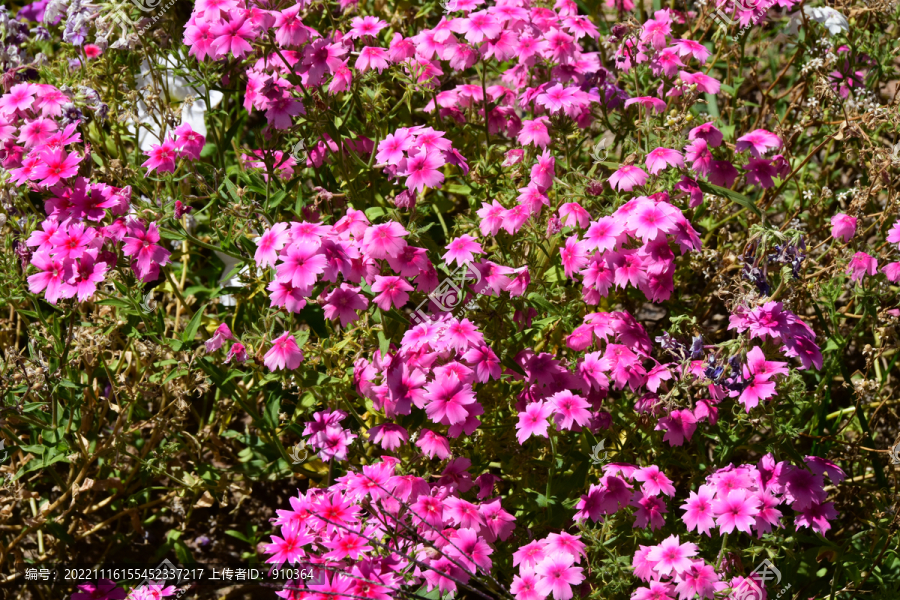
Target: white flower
833,21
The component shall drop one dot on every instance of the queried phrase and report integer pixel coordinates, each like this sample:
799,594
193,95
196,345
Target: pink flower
698,510
162,157
736,511
571,214
237,353
534,132
433,445
574,255
860,265
104,589
661,158
343,302
462,250
221,334
53,277
570,409
389,435
670,556
486,363
233,36
543,171
843,227
491,217
384,240
88,273
758,141
604,234
447,400
365,26
557,576
533,421
72,241
143,245
371,57
627,178
392,147
19,98
816,516
55,166
284,354
392,291
647,101
649,220
301,265
524,586
289,547
189,141
478,26
268,245
421,170
654,481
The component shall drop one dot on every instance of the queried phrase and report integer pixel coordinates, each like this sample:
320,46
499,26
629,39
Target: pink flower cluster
418,153
745,498
373,533
630,247
187,143
614,492
435,369
35,112
327,436
547,567
772,321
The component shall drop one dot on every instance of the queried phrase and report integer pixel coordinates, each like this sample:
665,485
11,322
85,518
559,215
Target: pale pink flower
557,576
462,250
421,169
384,240
534,132
371,57
758,141
698,510
861,265
533,421
268,245
661,158
627,178
391,291
736,511
670,555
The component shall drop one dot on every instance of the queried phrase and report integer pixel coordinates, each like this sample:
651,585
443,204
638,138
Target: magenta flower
391,291
533,421
87,274
55,166
142,244
758,141
462,250
571,214
861,265
343,302
233,36
218,338
19,98
570,409
843,227
392,147
284,354
161,157
534,132
365,26
433,445
104,589
654,481
288,548
524,586
301,265
53,277
237,353
627,178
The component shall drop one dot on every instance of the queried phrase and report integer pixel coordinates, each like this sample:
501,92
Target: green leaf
731,195
373,212
194,324
238,535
